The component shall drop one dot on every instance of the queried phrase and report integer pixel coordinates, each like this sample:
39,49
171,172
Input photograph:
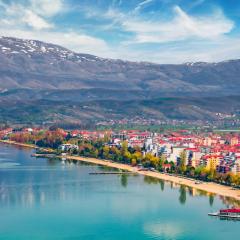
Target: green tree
182,162
162,160
106,151
127,156
138,156
230,178
211,175
204,173
124,147
95,153
133,162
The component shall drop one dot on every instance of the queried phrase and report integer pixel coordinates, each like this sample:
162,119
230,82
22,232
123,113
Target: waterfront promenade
204,186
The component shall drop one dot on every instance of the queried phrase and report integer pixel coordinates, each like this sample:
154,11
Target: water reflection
57,180
151,180
124,180
183,194
162,183
60,200
38,183
165,230
230,201
29,185
52,162
211,199
185,191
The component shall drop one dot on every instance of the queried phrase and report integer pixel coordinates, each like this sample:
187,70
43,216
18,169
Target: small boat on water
233,213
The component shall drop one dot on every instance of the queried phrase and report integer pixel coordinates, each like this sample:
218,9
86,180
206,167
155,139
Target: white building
176,151
67,147
151,147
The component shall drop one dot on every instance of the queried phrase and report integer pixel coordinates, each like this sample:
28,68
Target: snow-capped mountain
30,64
45,82
31,48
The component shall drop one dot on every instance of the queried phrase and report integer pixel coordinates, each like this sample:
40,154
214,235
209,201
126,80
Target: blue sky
163,31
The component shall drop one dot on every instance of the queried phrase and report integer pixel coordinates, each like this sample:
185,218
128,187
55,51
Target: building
68,147
211,161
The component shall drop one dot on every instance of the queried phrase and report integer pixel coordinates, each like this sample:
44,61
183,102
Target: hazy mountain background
42,82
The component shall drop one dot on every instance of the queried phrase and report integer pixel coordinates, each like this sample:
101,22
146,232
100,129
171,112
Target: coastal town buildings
211,150
220,152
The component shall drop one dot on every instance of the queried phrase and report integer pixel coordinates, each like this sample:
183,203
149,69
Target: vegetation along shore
211,187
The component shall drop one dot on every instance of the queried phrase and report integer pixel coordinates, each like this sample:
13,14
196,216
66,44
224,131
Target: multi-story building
175,154
211,161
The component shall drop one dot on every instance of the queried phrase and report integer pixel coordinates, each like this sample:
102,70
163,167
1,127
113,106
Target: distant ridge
33,71
33,64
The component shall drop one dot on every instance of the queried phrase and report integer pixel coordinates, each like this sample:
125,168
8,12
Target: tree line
125,154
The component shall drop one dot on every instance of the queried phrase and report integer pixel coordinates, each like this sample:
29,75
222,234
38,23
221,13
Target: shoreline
19,144
210,187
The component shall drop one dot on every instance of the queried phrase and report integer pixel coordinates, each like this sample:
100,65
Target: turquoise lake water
48,200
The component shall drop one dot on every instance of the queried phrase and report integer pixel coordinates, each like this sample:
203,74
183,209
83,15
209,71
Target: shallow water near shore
52,199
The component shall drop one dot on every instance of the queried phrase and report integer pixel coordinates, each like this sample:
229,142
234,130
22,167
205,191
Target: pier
110,173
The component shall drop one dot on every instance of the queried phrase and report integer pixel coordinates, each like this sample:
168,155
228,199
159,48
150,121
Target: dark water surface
48,200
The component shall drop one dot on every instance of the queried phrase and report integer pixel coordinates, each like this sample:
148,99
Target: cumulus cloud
33,21
181,27
20,16
180,39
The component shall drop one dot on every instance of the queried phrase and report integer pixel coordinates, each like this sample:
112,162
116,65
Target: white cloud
196,3
195,51
34,21
116,3
17,15
47,8
181,39
181,27
141,5
71,40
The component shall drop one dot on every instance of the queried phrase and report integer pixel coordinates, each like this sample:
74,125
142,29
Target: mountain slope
41,82
188,109
36,65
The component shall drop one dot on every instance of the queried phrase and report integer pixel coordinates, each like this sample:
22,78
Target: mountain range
45,82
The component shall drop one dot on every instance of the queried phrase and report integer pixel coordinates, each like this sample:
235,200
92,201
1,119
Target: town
209,156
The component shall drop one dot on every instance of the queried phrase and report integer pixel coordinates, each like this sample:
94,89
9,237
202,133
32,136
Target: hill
46,82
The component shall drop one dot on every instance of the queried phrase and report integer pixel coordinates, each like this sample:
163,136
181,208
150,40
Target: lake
51,199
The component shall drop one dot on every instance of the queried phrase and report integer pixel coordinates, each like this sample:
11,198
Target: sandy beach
204,186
